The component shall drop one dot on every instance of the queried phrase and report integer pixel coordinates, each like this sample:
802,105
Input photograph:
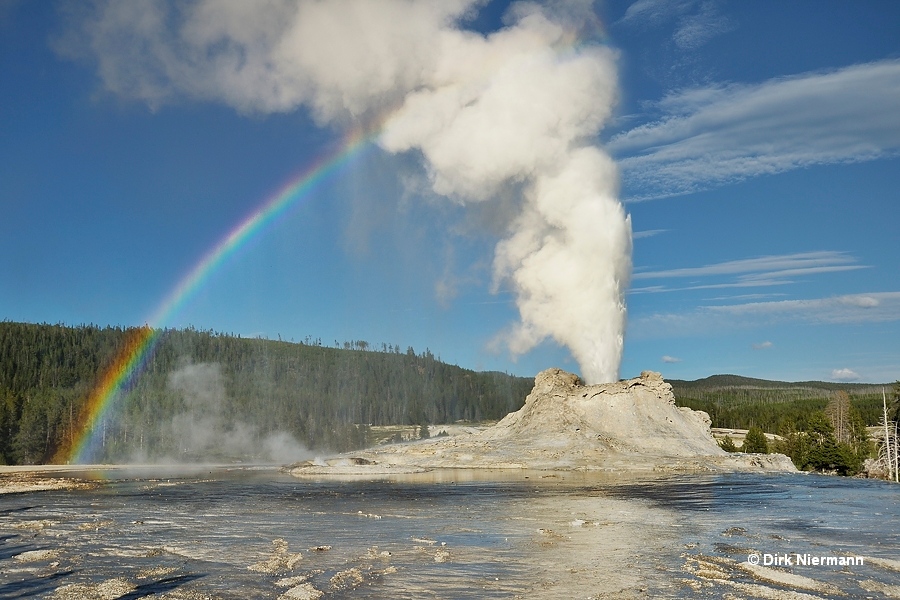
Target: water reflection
253,532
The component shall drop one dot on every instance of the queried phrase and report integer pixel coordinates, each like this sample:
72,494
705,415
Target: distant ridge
733,401
714,382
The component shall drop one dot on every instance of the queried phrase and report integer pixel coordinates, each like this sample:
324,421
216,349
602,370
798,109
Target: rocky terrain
630,425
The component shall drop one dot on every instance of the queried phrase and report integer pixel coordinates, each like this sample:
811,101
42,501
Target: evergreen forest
208,396
821,426
204,395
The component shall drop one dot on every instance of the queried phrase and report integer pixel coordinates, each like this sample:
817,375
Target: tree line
327,397
822,426
323,397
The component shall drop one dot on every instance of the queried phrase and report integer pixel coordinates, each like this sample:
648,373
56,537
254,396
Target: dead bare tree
838,411
889,452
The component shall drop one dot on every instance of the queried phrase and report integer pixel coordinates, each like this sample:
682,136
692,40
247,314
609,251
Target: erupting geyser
570,264
520,107
515,111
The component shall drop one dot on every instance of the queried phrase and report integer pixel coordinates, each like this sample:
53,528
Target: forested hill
206,395
719,382
739,402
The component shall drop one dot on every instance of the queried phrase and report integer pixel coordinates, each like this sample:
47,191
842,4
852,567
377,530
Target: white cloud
791,263
720,134
670,359
762,345
755,272
880,307
855,308
734,298
861,301
637,235
844,375
649,289
267,56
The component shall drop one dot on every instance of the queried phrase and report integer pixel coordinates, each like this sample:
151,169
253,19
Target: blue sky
757,145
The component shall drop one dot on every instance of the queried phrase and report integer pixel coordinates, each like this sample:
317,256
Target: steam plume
517,109
205,429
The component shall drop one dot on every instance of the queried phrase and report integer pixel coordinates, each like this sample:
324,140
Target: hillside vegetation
822,426
202,391
737,402
203,395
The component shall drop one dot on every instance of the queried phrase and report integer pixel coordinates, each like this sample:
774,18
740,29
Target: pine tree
727,444
756,442
895,402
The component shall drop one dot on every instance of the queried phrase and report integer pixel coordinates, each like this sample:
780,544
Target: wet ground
258,533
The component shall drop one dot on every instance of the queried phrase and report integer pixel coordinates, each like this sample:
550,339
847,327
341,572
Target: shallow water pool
260,533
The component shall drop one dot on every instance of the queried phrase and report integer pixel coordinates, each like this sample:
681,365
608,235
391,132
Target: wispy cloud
670,359
762,345
853,308
720,134
694,30
637,235
754,272
878,307
649,289
653,12
695,21
737,297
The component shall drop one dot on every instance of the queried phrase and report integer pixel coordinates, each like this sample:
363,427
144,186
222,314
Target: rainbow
141,343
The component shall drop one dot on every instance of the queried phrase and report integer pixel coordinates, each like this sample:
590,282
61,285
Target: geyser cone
631,425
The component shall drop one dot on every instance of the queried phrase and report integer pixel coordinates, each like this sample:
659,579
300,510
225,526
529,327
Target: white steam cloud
517,109
206,430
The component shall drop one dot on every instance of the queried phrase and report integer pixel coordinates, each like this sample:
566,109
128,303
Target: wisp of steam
205,430
518,109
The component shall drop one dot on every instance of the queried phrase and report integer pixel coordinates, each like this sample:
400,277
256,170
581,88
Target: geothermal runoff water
261,533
